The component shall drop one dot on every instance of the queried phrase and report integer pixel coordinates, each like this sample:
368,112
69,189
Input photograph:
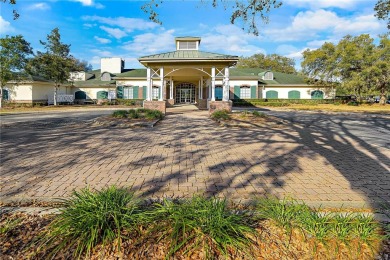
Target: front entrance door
185,93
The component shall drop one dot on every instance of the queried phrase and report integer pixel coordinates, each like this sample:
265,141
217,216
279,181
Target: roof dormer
187,43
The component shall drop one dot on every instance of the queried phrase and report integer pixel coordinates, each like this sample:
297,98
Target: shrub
353,103
153,114
258,114
120,114
203,223
220,115
89,218
133,114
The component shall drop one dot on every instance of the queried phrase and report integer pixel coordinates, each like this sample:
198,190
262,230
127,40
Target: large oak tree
14,52
355,64
272,62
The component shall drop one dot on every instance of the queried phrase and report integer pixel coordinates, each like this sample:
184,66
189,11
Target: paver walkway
187,153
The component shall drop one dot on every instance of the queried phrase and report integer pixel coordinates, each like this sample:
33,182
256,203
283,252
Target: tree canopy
248,11
354,64
14,52
56,63
382,9
272,62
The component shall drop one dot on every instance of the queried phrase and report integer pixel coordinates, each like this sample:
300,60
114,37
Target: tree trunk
1,97
55,94
382,100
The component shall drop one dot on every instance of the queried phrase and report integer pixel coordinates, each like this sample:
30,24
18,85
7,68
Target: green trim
80,95
144,92
5,94
271,94
317,94
102,94
236,92
135,92
294,94
253,91
119,92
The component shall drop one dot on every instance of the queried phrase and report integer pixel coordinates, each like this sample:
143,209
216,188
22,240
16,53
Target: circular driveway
320,158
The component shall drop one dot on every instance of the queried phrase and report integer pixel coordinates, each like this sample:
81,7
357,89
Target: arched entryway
185,93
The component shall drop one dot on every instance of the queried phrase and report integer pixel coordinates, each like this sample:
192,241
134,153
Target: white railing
61,98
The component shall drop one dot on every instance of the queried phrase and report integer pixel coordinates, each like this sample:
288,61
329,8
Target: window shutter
135,92
5,94
119,92
253,91
236,92
144,92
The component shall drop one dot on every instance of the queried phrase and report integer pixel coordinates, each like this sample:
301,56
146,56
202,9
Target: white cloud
128,24
151,43
102,40
90,3
39,6
231,39
315,4
115,32
85,2
310,24
89,25
5,26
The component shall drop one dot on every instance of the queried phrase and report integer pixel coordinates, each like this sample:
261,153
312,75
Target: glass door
185,93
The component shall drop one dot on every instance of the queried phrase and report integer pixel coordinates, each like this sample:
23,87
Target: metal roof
188,55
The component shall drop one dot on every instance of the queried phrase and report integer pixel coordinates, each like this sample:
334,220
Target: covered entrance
185,93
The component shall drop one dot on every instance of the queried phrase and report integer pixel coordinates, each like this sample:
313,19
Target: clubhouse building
186,75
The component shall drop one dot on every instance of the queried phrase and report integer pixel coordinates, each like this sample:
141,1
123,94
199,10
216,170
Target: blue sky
112,28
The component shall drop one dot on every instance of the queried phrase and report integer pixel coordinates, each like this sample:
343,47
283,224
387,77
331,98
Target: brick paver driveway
187,153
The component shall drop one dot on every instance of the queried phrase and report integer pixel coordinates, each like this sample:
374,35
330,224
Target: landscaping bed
140,117
114,224
247,119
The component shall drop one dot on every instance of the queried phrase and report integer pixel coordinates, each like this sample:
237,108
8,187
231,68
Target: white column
170,88
148,85
226,87
161,84
201,88
213,84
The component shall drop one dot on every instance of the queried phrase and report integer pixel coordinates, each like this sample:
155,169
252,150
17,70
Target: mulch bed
20,242
249,120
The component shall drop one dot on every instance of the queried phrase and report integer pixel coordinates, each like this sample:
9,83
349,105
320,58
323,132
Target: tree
55,64
379,72
272,62
12,2
382,9
81,65
355,64
249,11
14,52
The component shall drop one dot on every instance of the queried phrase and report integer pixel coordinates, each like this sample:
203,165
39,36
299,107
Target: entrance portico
188,75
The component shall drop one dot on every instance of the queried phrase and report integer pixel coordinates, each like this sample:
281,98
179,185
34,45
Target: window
187,45
317,94
128,93
271,94
294,94
245,92
155,92
268,75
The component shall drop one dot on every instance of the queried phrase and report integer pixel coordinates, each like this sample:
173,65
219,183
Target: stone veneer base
202,103
158,105
220,105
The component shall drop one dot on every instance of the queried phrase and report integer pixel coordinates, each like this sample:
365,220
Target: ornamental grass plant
90,218
205,224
